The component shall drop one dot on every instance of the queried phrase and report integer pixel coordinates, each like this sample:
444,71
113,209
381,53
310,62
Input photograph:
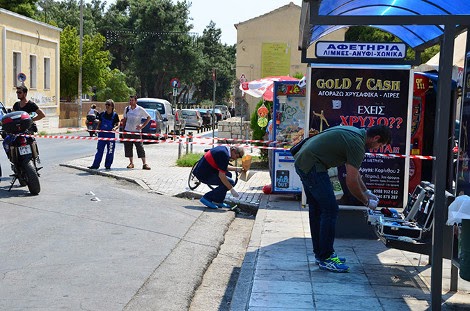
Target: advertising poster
289,125
363,96
463,172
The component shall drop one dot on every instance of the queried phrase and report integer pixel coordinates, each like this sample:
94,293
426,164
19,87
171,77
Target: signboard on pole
363,96
175,83
395,50
21,77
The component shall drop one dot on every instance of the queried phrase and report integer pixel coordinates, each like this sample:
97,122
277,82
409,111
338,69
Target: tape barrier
181,139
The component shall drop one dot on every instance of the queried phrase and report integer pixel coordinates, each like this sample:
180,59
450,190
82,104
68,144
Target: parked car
217,113
207,121
193,118
156,126
165,109
180,123
224,110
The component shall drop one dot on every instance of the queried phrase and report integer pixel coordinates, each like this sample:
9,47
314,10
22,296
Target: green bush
258,132
189,159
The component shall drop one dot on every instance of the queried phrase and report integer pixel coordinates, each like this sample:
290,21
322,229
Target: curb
250,209
242,292
104,173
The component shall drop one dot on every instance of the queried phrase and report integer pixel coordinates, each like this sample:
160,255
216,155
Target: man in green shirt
339,145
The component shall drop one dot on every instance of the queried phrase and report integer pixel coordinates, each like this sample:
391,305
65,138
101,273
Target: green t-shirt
331,148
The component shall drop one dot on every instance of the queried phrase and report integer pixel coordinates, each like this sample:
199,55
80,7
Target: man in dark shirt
340,145
26,105
213,169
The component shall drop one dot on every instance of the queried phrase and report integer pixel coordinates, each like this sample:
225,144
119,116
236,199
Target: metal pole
80,70
180,146
213,106
440,165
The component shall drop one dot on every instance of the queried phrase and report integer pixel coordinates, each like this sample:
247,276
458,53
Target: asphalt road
97,243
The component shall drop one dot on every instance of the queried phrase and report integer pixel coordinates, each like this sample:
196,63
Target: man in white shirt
132,118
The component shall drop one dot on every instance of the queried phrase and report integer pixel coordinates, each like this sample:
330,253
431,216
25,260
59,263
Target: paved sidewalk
279,272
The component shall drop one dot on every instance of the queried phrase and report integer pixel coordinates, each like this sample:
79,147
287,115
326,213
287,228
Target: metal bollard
190,137
180,146
187,145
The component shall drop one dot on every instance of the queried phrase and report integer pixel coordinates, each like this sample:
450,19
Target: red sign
175,83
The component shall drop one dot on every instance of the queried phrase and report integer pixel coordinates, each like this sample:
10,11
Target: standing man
108,122
26,105
331,148
132,118
213,169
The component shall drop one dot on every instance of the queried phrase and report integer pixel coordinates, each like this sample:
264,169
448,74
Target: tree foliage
116,88
22,7
370,34
148,42
95,63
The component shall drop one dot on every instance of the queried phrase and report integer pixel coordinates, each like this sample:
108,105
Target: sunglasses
107,104
19,92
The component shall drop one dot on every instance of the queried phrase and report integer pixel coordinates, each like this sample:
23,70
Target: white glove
371,195
235,193
372,204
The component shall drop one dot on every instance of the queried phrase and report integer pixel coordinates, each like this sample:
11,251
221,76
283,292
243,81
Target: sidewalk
279,272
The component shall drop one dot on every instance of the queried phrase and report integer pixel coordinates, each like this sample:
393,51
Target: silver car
193,118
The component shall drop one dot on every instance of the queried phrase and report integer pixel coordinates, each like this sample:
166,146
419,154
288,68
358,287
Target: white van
164,107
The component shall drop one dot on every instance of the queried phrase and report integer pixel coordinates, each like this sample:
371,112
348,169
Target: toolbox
399,228
415,223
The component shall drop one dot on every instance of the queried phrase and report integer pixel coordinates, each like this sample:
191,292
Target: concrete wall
234,128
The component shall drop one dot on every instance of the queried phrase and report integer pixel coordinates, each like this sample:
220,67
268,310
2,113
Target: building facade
267,45
30,55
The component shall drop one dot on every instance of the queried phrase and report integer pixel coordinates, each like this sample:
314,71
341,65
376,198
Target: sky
226,13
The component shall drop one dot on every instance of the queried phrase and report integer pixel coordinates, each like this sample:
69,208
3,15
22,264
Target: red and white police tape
188,139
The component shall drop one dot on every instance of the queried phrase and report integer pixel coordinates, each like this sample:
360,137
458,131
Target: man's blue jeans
218,194
323,211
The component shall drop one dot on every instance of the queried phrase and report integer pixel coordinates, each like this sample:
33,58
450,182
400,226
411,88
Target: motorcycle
22,150
92,124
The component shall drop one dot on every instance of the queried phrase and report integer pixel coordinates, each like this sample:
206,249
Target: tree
116,88
216,56
67,13
95,68
22,7
370,34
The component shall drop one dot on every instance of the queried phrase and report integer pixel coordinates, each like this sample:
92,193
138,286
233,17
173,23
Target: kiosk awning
415,35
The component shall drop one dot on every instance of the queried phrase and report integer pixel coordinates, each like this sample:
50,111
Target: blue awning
411,34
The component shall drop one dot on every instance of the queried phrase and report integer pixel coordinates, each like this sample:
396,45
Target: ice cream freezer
289,105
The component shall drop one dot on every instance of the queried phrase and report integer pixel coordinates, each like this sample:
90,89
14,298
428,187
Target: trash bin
464,253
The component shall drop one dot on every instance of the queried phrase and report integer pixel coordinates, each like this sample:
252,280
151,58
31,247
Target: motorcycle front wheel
32,178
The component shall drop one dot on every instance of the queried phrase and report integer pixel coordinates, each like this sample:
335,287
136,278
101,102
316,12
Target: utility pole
80,70
214,79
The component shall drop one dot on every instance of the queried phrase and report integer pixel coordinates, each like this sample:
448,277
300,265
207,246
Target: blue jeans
323,211
218,194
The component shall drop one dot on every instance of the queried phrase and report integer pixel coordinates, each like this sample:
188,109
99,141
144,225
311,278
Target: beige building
267,45
30,49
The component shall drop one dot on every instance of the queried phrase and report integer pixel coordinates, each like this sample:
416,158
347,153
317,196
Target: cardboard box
246,164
